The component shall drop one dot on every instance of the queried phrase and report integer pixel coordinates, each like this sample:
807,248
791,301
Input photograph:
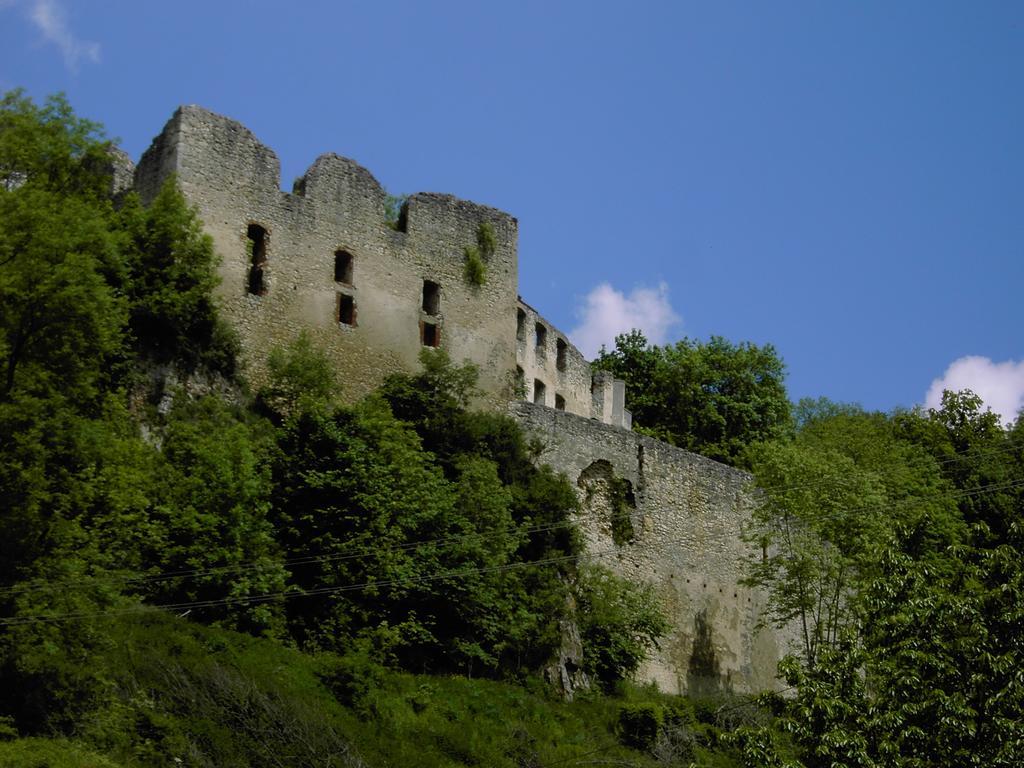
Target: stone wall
373,320
683,538
544,354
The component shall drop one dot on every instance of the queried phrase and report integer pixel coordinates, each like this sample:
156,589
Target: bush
475,271
619,623
639,724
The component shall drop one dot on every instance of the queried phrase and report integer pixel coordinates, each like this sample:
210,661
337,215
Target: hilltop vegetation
894,544
403,533
192,574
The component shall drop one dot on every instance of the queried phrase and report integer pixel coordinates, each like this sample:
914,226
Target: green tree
814,530
926,671
48,147
830,498
210,514
60,319
714,398
172,264
619,623
301,378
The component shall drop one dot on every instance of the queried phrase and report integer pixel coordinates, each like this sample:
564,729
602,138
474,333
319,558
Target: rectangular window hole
431,298
541,335
539,391
343,267
256,245
560,349
559,402
346,309
430,335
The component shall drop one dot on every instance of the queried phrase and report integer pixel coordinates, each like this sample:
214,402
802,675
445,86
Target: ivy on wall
477,256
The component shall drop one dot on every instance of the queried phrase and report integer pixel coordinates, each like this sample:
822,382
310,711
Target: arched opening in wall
609,501
431,298
430,334
256,247
560,349
539,391
520,325
343,267
559,402
346,309
540,334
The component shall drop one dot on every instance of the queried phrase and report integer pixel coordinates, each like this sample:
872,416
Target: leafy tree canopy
924,666
713,398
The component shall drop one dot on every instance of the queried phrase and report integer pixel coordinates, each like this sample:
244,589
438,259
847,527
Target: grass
179,694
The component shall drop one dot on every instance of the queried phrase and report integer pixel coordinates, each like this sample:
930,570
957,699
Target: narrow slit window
430,335
539,391
346,309
559,402
343,267
256,244
520,325
560,348
520,382
541,334
431,298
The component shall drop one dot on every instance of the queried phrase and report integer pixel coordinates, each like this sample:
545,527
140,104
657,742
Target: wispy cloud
607,312
50,19
999,385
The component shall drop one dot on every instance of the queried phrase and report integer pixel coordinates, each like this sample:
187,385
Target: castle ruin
372,293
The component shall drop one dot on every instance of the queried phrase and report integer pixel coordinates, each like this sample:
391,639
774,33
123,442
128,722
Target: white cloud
999,385
50,19
607,312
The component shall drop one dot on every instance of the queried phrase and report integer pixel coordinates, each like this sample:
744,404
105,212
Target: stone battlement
324,259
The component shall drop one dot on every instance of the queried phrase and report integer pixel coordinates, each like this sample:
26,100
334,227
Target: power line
304,560
295,592
42,585
337,589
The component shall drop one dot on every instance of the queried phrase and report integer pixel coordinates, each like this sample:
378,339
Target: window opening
346,309
430,335
541,334
560,347
559,402
520,382
343,267
431,298
520,325
539,391
256,244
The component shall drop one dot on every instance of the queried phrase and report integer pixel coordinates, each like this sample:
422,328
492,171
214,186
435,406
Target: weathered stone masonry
685,541
322,259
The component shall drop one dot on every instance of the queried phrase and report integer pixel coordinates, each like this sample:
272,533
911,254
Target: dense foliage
713,398
910,604
890,545
404,532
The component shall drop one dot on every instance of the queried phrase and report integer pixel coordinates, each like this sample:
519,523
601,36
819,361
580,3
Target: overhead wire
298,592
366,551
337,589
41,585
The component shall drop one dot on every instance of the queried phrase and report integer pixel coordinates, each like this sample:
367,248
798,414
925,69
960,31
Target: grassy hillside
177,693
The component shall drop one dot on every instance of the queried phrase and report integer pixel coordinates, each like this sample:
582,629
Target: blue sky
843,180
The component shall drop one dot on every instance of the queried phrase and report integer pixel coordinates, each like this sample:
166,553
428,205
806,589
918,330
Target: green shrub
639,724
352,677
475,271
